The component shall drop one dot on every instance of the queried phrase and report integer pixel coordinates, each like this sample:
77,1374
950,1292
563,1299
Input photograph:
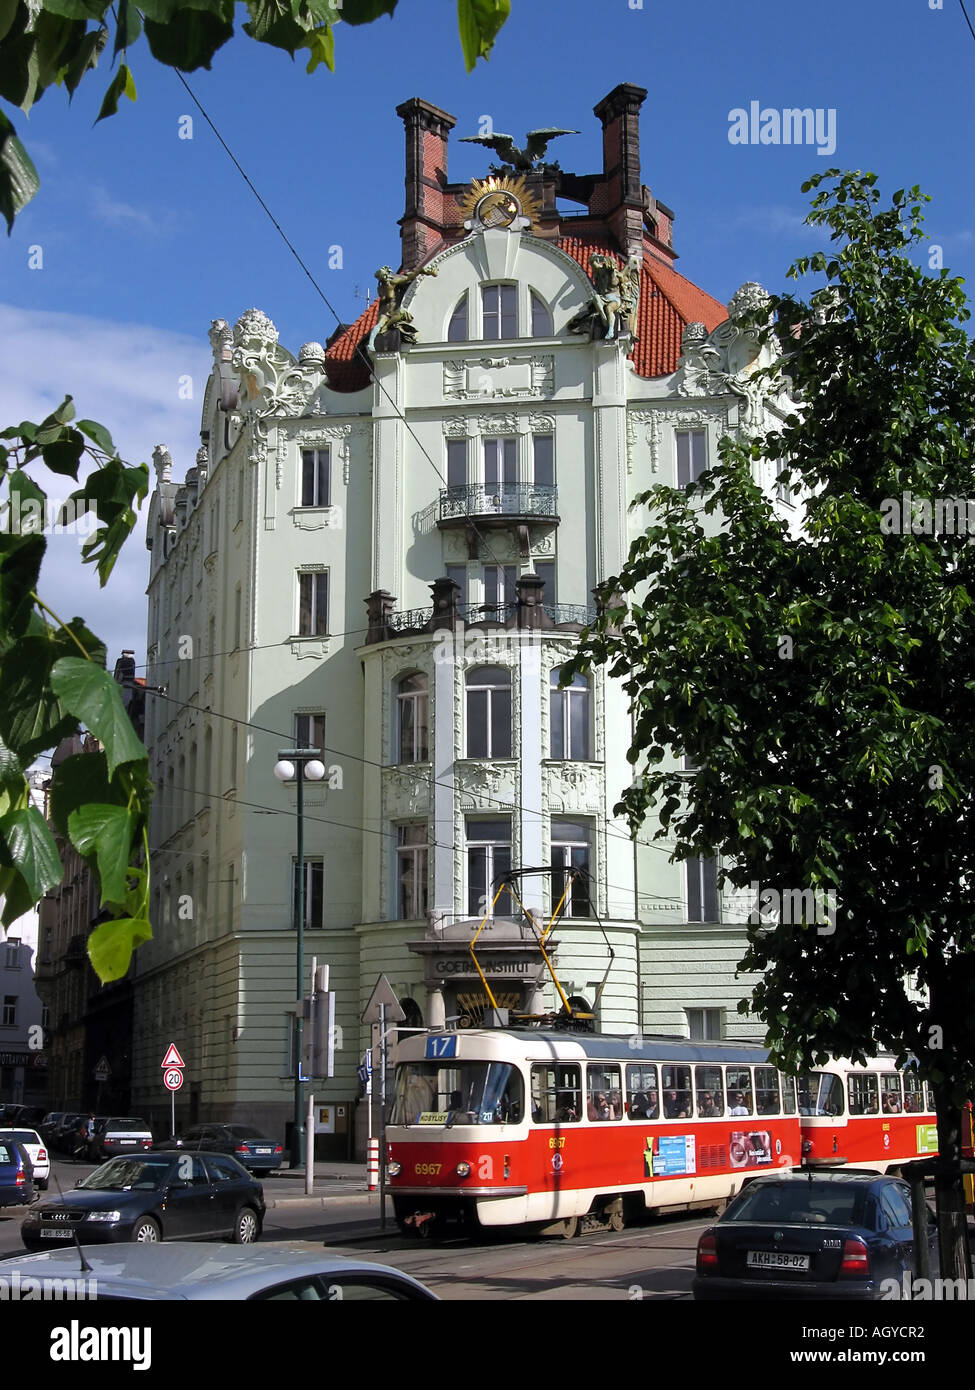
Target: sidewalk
334,1183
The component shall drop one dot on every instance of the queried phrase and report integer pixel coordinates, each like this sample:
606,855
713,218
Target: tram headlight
393,1168
463,1169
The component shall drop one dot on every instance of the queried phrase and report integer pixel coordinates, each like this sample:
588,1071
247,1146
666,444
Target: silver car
283,1271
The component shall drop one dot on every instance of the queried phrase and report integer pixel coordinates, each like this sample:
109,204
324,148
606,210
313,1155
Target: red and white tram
504,1127
868,1114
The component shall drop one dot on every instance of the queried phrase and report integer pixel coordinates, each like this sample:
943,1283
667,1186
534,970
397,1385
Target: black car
152,1196
829,1235
254,1150
16,1174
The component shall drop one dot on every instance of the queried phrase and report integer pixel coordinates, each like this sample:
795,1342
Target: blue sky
146,237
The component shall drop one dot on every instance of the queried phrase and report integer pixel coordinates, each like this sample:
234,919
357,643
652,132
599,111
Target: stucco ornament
730,359
221,339
272,382
395,324
612,310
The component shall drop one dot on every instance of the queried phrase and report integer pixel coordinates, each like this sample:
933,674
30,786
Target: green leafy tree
57,42
823,684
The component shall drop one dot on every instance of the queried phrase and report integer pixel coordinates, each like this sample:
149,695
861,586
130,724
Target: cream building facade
386,549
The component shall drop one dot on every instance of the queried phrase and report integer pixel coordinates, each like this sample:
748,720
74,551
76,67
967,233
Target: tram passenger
615,1105
675,1108
739,1107
598,1108
565,1109
640,1106
706,1107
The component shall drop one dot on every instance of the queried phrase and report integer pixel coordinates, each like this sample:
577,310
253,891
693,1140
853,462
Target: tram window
675,1083
863,1092
709,1089
556,1094
890,1093
766,1091
913,1093
641,1090
740,1091
466,1093
604,1100
820,1093
929,1097
788,1084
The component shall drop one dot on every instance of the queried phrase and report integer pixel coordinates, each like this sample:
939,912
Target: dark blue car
836,1235
150,1197
16,1174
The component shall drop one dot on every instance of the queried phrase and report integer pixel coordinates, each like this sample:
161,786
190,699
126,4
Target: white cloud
127,377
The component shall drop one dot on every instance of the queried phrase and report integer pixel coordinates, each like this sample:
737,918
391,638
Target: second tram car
500,1127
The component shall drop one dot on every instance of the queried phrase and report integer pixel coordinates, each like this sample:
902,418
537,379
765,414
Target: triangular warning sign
172,1057
383,994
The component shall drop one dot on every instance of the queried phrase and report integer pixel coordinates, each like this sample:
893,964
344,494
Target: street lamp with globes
297,765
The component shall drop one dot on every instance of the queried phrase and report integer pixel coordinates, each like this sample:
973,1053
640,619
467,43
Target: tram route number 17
441,1047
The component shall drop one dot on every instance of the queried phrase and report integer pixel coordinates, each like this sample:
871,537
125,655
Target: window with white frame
545,570
413,722
541,317
499,311
456,463
692,455
569,718
316,468
499,585
458,573
310,731
314,876
9,1010
13,953
313,604
457,328
571,842
489,712
704,1025
543,460
411,872
488,857
702,890
500,471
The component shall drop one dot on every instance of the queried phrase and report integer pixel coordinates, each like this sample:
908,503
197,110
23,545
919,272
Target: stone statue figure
613,307
392,317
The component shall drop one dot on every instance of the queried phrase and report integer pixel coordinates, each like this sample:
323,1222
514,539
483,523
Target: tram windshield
820,1093
461,1093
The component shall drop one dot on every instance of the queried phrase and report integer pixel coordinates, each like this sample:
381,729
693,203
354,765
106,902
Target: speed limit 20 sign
173,1079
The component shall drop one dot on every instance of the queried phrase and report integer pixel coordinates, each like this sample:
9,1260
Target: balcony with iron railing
526,612
500,504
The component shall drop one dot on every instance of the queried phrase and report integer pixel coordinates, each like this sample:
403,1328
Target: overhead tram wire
359,351
967,20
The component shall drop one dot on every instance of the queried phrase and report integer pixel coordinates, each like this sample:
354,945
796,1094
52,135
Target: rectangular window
413,708
411,865
314,893
488,856
316,477
543,460
641,1091
313,604
766,1091
709,1092
740,1091
675,1082
702,890
692,455
604,1100
458,573
310,731
570,850
863,1093
499,585
556,1093
545,569
456,463
500,311
9,1010
238,618
500,468
13,954
704,1024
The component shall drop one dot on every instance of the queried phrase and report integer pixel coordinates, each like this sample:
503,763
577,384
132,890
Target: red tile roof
668,303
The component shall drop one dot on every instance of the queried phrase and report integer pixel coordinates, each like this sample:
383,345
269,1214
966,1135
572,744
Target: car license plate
262,1151
776,1259
125,1141
55,1235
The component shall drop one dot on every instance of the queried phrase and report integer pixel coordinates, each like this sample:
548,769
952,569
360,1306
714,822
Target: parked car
254,1150
37,1150
150,1197
66,1137
829,1235
16,1174
286,1271
27,1115
48,1127
118,1134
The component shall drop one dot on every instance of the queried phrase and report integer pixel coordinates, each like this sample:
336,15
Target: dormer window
499,311
457,328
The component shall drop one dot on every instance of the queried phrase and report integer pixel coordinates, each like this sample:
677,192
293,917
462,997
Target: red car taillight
21,1179
41,1156
707,1252
241,1149
856,1257
278,1149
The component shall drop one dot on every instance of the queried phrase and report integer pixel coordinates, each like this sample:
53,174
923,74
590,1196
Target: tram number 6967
557,1142
425,1169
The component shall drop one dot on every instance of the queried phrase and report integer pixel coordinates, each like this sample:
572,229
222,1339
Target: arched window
569,718
457,328
412,706
541,318
489,712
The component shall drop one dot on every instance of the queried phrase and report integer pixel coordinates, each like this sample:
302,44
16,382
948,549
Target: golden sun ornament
499,201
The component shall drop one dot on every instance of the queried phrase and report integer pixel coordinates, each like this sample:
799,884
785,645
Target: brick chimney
422,224
620,116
